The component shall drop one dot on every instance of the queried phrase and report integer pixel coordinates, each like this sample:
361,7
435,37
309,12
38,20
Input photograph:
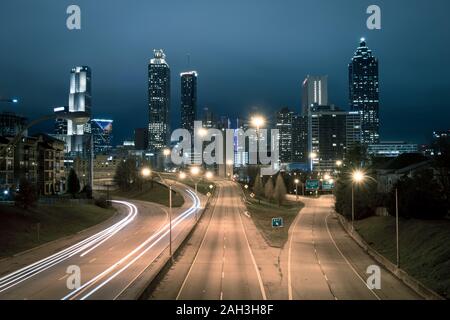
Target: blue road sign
277,222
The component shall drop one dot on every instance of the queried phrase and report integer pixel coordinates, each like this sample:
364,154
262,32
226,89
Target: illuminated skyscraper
188,99
158,101
314,92
102,130
364,91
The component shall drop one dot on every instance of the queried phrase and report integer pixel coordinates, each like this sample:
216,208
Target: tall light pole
146,172
296,181
257,122
396,227
195,172
358,176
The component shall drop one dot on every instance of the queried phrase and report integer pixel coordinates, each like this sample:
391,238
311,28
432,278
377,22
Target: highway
109,260
324,263
224,267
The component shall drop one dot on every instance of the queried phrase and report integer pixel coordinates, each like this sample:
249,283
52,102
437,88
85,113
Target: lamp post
195,171
257,122
396,227
358,176
146,172
296,181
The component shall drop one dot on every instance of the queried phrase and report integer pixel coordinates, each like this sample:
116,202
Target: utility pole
396,226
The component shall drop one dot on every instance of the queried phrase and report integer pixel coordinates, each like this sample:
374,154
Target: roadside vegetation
267,200
423,208
424,247
133,185
19,227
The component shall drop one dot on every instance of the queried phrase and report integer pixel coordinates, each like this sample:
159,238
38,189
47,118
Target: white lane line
32,270
92,260
346,260
297,218
261,285
63,277
176,221
197,254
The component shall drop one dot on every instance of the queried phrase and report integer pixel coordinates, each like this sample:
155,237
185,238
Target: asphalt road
224,267
109,261
324,263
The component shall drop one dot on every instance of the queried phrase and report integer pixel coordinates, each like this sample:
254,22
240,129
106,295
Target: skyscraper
158,101
188,99
102,130
364,91
284,125
314,92
73,127
299,138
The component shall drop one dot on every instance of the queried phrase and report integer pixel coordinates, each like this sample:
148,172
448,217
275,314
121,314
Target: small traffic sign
277,222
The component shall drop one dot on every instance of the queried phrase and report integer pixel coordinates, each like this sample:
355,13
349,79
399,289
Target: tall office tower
208,120
158,101
353,129
60,123
327,136
314,92
73,126
141,138
188,99
102,134
79,100
299,138
284,126
364,91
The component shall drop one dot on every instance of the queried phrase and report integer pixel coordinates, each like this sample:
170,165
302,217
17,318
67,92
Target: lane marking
297,218
261,285
92,260
63,277
197,253
346,260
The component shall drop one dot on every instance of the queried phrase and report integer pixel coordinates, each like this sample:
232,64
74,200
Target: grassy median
18,228
156,193
262,214
424,247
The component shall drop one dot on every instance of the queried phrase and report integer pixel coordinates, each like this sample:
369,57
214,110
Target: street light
258,122
296,181
146,172
195,171
358,177
339,163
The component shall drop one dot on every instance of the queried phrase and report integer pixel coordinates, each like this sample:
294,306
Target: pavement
109,260
218,263
324,263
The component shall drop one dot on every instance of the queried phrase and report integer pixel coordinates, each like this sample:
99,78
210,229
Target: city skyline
252,88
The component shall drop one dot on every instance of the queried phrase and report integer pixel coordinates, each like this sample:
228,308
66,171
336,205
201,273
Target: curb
415,285
138,288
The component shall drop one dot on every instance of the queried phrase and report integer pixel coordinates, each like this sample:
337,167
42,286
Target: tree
258,188
420,196
27,196
268,189
127,174
73,183
280,190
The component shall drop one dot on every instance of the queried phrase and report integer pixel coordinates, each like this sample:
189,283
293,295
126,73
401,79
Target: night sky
247,53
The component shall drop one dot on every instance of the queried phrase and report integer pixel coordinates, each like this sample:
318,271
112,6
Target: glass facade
159,101
364,92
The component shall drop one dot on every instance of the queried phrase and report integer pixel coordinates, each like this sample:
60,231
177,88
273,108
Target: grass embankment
18,228
157,194
424,247
262,214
